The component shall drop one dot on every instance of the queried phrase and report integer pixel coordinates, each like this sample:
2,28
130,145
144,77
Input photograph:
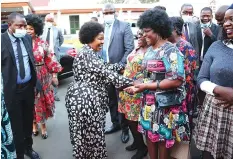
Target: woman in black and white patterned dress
87,99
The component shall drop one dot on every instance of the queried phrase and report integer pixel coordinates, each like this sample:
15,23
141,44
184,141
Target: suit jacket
9,69
207,40
58,39
121,42
193,38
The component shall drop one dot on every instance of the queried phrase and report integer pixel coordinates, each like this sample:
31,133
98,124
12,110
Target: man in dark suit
19,80
190,26
118,44
207,32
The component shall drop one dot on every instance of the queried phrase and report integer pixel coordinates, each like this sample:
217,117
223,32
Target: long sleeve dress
46,64
87,103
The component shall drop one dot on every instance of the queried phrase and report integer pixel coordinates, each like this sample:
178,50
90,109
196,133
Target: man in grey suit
55,39
118,44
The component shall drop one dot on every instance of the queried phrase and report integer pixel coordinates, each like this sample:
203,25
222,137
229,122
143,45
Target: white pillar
129,14
25,10
58,18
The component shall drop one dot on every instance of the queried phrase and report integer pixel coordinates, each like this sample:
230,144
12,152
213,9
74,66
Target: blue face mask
19,33
207,25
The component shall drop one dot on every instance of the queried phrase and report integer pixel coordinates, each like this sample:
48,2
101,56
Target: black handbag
168,98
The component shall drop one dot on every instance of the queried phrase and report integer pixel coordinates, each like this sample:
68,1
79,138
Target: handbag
157,76
168,98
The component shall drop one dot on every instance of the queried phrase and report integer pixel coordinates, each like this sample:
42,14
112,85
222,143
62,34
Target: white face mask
20,33
187,18
109,18
207,25
48,24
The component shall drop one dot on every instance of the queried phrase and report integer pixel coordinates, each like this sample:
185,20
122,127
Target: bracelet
158,82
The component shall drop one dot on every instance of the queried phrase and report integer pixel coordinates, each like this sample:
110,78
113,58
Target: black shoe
44,136
36,133
112,129
125,136
131,147
31,154
140,154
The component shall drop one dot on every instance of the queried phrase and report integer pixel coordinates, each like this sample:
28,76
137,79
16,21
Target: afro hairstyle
89,31
36,22
157,20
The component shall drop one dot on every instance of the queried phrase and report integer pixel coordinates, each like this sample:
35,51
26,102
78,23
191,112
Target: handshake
137,87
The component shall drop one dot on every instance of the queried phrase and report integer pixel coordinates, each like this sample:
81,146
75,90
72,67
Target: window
74,23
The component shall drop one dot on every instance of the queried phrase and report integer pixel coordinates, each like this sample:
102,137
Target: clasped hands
137,87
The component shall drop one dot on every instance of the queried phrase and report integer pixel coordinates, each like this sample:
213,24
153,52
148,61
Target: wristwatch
158,82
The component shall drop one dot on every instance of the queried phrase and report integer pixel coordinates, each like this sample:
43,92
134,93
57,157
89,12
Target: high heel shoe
36,133
44,136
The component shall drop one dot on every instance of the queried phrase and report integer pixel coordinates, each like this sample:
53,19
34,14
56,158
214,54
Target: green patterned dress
7,146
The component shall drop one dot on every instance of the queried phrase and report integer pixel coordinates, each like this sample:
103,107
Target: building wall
63,21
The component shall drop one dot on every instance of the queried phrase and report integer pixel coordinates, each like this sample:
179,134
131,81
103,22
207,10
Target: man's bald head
49,18
219,15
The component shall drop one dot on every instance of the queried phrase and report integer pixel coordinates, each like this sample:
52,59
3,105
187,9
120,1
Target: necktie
20,58
48,36
106,41
186,33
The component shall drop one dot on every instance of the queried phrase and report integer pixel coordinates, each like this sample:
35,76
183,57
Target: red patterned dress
46,64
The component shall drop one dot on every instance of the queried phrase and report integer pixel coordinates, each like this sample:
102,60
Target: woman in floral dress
46,67
163,117
7,143
87,96
130,104
191,68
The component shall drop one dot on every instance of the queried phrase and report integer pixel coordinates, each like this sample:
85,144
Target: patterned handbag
168,98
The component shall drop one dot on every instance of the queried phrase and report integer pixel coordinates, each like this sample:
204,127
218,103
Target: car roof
68,45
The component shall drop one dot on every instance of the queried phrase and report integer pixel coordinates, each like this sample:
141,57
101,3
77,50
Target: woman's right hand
225,94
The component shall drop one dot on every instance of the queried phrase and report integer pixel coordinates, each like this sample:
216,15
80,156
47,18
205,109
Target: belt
23,85
155,76
40,64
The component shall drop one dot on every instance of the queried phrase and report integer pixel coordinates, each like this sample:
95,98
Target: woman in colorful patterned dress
7,146
46,67
190,63
130,104
163,117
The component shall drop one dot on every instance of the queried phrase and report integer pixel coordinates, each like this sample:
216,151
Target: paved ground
58,146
